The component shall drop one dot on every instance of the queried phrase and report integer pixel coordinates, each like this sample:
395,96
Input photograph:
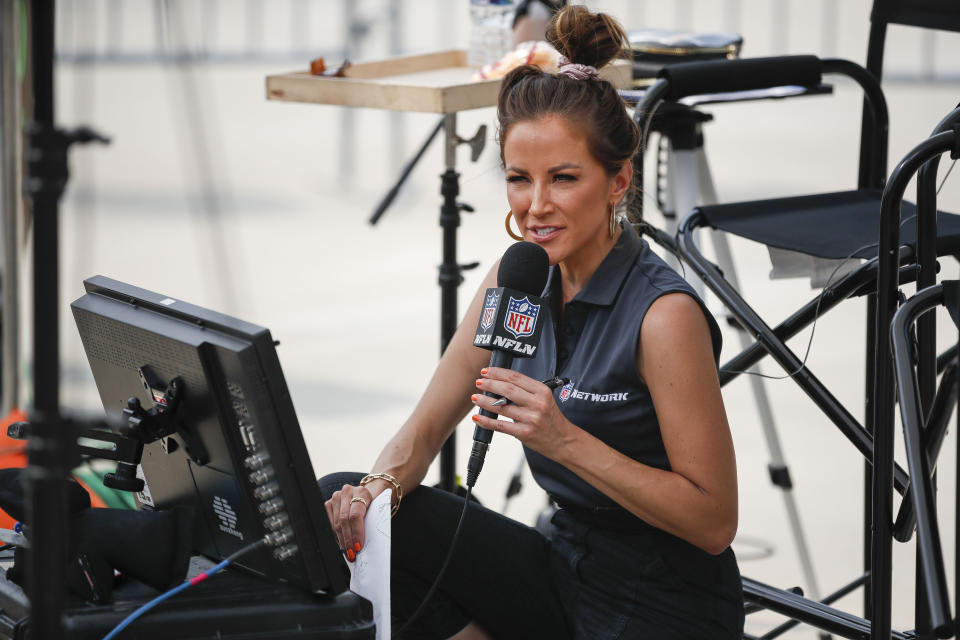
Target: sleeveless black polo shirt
595,346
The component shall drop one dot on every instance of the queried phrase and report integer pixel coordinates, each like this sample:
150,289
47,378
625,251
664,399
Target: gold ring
358,499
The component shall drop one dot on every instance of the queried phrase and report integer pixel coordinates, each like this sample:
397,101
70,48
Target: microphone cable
126,622
443,567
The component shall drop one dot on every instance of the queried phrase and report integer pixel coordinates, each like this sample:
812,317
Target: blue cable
142,610
177,589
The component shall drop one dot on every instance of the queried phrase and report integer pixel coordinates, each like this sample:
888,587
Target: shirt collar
602,287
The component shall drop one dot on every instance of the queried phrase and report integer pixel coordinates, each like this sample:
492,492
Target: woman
635,450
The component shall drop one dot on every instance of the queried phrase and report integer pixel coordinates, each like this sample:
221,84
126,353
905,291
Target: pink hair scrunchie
576,70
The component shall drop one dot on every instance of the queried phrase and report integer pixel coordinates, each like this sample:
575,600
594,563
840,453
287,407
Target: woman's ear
621,181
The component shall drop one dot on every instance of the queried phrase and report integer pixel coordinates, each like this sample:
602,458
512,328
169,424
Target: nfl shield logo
521,317
565,391
489,311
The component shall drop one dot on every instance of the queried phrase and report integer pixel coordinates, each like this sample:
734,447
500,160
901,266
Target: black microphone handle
503,360
481,436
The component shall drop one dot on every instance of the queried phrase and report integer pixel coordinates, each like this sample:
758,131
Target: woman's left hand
537,421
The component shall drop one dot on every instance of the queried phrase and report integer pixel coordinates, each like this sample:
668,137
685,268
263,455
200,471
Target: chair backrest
929,14
942,15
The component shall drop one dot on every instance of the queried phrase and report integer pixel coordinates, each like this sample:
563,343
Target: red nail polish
475,418
479,382
357,547
473,398
483,372
351,555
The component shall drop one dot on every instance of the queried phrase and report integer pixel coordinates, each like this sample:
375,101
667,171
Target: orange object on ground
13,453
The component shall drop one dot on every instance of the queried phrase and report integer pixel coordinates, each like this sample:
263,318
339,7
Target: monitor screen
237,456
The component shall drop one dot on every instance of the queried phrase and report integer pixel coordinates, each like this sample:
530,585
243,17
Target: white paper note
370,572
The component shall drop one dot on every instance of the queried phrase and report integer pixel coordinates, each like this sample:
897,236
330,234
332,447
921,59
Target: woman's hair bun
584,37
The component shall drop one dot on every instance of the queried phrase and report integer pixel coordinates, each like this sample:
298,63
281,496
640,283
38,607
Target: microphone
509,326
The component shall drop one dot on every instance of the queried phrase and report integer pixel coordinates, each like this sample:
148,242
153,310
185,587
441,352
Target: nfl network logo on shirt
489,311
565,391
521,317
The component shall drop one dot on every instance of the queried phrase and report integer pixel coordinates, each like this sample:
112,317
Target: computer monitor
237,455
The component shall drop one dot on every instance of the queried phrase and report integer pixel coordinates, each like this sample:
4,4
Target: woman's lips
543,234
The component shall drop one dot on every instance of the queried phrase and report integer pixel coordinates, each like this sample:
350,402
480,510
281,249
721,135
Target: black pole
927,361
450,279
934,431
889,255
47,471
932,594
926,338
868,127
451,275
870,392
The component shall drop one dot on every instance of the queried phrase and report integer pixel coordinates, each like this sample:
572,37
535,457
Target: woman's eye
516,178
564,177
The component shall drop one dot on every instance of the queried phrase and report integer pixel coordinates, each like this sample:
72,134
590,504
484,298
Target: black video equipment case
229,606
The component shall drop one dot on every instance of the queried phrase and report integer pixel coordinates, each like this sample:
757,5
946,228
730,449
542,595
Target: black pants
589,580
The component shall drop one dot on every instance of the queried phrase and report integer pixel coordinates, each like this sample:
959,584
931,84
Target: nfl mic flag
511,322
509,326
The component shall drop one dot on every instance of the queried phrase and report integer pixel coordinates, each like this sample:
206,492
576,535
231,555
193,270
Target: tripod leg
681,198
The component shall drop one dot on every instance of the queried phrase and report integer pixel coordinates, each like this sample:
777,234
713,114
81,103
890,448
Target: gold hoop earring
613,219
506,223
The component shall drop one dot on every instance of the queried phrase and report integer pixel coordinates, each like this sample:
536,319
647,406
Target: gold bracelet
389,478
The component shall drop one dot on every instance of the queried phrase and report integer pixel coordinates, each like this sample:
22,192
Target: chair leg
810,612
830,599
871,334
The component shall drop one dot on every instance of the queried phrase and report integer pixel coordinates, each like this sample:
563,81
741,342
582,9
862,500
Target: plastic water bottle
500,19
491,33
476,53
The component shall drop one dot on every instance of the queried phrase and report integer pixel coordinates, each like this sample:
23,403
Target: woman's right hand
345,510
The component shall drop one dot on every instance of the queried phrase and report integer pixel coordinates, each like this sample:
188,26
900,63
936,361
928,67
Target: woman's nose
540,202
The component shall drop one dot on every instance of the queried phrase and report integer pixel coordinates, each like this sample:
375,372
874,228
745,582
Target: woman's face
559,193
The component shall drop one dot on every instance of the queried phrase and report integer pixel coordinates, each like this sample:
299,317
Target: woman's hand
345,510
537,421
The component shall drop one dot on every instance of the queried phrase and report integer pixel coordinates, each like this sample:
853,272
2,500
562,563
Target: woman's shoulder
674,313
671,307
649,278
652,271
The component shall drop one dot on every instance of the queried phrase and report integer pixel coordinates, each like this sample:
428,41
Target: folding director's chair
797,224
